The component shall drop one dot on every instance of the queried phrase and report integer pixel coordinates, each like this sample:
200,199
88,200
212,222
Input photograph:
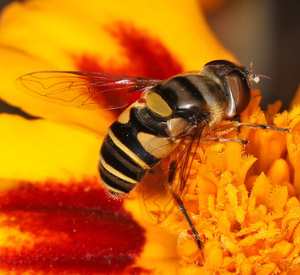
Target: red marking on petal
146,55
75,229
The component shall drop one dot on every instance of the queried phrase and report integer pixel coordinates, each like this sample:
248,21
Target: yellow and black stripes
190,96
120,168
145,133
123,159
149,130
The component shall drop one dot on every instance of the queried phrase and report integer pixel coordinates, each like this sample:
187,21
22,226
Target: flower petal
123,37
56,213
36,150
250,224
296,99
53,228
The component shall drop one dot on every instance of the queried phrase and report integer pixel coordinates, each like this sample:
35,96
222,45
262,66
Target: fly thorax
186,100
158,105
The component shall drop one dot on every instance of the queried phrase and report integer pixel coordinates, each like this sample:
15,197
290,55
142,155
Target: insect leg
235,125
262,126
242,141
173,167
185,214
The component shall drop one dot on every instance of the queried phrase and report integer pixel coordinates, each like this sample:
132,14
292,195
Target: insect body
160,128
180,107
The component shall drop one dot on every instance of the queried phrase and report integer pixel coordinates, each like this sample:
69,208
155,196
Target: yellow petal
130,37
34,152
37,150
159,253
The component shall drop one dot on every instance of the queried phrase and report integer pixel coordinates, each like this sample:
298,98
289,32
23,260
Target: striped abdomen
131,148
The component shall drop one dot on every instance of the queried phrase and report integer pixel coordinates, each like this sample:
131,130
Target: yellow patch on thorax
124,117
158,105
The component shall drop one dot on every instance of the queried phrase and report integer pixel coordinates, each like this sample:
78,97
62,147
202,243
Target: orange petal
279,171
296,99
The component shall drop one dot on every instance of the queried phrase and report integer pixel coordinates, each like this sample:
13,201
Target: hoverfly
159,130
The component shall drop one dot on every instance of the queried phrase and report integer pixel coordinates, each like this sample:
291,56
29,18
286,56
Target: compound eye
241,91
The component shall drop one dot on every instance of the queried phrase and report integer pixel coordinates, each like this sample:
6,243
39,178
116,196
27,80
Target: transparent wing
161,188
83,90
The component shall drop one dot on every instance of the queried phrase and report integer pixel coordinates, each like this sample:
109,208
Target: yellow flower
55,216
244,201
134,38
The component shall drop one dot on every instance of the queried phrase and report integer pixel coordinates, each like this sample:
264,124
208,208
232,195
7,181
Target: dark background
265,32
